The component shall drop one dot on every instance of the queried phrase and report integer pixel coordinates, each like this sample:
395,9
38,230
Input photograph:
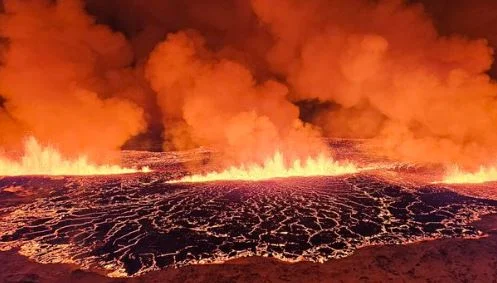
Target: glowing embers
276,167
457,176
39,160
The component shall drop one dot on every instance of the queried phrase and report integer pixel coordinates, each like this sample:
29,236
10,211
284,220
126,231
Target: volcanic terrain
128,225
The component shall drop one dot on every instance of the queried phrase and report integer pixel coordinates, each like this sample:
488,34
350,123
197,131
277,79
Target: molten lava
458,176
276,167
39,160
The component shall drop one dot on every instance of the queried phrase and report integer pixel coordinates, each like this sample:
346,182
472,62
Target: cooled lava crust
128,225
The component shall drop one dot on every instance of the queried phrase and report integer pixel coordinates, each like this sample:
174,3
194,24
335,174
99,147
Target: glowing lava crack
275,167
130,225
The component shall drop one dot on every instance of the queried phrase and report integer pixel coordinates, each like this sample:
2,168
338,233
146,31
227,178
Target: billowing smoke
65,79
421,96
229,74
475,19
210,100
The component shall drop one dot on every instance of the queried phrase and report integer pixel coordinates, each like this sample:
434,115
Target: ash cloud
411,76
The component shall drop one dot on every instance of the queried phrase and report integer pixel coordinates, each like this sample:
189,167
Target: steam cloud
229,74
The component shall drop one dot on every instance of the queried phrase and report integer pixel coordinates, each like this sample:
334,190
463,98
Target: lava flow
275,167
39,160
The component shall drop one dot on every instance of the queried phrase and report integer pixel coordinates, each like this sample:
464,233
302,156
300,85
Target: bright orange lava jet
38,160
275,167
458,176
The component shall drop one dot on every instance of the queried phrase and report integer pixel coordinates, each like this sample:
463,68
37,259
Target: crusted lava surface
128,225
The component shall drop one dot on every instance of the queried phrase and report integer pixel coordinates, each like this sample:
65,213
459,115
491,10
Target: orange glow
275,168
458,176
39,160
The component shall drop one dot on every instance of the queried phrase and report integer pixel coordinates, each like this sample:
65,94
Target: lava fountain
275,167
458,176
39,160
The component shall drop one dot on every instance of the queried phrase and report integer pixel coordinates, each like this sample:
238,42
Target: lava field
131,224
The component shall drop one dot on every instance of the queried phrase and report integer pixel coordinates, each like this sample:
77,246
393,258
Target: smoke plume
65,79
210,100
410,76
421,96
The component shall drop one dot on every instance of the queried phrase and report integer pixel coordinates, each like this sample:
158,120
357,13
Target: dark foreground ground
447,260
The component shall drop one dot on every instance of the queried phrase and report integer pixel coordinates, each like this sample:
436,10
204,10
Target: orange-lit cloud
58,79
422,96
217,102
229,73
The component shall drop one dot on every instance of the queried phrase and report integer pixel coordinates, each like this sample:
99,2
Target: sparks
458,176
275,167
39,160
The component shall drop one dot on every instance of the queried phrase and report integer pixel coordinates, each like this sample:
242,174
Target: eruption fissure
39,160
456,175
276,167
